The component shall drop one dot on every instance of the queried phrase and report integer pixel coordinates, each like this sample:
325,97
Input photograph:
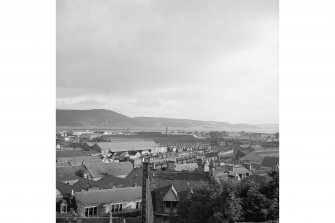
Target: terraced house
99,203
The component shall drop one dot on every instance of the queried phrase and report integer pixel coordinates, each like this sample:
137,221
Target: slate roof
136,176
68,173
78,160
252,157
121,146
83,183
66,188
186,167
270,162
101,169
73,153
116,195
171,194
111,181
223,169
255,166
238,155
180,180
257,147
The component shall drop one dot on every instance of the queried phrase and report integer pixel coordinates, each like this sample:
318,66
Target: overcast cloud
195,59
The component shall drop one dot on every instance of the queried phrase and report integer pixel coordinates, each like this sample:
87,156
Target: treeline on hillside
254,199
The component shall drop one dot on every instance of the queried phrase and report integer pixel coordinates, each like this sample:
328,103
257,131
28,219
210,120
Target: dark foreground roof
136,176
101,169
111,181
115,195
180,180
68,173
83,183
270,162
66,188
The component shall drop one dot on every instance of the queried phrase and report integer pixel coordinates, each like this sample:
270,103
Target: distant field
268,153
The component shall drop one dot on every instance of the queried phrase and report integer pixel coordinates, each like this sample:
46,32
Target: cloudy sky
206,60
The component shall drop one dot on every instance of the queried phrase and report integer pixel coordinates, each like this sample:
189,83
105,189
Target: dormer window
116,208
138,205
86,175
171,200
63,207
91,211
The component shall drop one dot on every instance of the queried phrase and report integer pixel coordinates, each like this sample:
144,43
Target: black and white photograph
167,111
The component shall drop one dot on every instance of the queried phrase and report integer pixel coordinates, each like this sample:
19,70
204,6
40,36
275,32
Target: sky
204,60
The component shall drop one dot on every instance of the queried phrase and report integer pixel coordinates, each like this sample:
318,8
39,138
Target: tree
255,199
198,208
260,200
227,206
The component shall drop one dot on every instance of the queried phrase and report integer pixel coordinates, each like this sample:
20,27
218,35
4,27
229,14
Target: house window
167,204
116,208
138,205
63,208
86,175
247,174
91,211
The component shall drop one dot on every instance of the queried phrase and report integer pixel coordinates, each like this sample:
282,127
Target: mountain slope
186,123
101,118
93,118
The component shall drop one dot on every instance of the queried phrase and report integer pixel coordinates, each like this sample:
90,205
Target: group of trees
254,199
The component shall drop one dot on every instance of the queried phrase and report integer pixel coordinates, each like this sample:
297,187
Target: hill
187,123
93,118
101,118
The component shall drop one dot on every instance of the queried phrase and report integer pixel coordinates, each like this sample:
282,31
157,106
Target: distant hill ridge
106,118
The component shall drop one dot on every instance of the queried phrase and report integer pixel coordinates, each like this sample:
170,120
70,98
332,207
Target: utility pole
110,216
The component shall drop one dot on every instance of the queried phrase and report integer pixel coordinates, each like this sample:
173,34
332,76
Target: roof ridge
114,189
